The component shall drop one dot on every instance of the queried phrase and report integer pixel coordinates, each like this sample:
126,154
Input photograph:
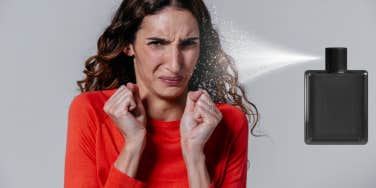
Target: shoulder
232,131
233,117
92,96
90,102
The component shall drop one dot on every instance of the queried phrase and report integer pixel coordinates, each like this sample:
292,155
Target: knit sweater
94,143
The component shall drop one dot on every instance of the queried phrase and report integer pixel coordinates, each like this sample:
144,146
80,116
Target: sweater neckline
161,123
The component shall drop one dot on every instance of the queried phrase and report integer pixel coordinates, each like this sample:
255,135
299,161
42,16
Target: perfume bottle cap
336,59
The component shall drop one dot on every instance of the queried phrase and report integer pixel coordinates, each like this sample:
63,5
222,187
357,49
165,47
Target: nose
174,60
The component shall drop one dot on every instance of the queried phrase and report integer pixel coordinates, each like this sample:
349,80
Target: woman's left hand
200,118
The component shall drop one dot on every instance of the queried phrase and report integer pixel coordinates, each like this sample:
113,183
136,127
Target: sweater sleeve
80,157
236,166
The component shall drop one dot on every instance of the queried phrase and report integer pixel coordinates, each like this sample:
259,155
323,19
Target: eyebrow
164,40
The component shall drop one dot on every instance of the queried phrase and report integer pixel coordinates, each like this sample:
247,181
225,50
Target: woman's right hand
125,108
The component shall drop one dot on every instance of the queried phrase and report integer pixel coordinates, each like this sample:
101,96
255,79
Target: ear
129,50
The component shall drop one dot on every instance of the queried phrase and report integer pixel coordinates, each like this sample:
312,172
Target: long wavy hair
215,70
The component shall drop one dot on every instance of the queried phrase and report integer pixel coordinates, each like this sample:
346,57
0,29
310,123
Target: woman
142,121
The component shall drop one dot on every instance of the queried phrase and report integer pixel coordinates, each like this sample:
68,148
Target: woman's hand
127,111
200,118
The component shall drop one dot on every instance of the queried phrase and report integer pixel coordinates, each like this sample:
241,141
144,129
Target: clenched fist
127,111
200,118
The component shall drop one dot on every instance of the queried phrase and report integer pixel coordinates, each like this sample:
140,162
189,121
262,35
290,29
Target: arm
80,157
129,157
198,176
236,166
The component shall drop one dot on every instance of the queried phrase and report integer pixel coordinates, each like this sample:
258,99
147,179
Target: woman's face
166,50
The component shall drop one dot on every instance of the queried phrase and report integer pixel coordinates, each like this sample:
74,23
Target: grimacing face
166,50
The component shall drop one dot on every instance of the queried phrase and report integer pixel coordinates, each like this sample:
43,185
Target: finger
209,104
204,131
205,95
197,116
126,101
130,86
118,93
212,104
192,97
196,95
211,119
206,98
131,103
189,105
206,102
114,98
206,111
136,94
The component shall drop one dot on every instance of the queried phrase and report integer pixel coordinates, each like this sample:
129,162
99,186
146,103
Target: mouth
171,80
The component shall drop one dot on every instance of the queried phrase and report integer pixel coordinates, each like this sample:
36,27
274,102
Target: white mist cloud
254,56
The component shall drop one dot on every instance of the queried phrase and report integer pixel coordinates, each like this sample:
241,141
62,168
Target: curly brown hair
215,70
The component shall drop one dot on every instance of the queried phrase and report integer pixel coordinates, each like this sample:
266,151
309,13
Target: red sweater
94,142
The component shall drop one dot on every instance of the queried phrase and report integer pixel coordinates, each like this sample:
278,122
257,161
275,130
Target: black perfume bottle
336,102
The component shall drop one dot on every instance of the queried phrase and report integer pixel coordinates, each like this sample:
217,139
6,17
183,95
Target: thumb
192,98
137,97
133,88
135,91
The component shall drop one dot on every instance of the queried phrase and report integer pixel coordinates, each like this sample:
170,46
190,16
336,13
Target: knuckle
106,107
206,93
111,111
118,113
127,102
202,102
211,121
129,93
126,89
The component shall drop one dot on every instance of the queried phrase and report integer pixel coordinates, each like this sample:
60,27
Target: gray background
44,44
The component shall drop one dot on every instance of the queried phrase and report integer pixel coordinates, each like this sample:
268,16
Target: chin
170,93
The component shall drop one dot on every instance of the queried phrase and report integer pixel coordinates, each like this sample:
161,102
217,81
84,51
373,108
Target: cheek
142,57
149,55
148,59
191,57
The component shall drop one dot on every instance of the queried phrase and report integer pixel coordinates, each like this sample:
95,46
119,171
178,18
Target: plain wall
43,45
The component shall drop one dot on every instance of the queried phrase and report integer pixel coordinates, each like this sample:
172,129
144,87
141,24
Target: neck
164,109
